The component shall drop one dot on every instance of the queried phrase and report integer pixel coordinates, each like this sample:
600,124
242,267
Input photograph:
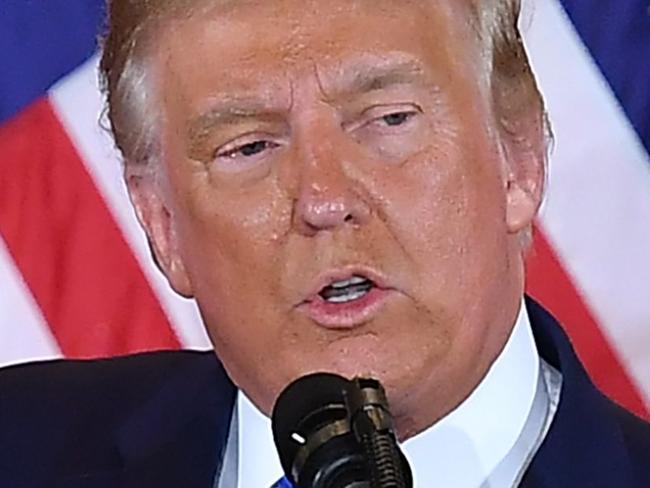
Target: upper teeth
347,297
355,280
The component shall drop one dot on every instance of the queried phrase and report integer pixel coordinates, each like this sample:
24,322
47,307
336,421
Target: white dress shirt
487,441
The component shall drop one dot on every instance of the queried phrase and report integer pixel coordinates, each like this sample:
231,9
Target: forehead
241,46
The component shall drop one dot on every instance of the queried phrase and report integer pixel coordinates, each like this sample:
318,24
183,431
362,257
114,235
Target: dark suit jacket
161,420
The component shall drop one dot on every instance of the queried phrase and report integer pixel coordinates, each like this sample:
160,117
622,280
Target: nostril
348,218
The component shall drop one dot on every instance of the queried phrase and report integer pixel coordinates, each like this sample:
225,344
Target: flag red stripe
552,286
67,246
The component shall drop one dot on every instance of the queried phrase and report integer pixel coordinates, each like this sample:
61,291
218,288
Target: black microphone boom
334,433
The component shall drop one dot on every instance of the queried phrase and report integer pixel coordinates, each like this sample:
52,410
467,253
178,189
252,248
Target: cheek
232,242
451,228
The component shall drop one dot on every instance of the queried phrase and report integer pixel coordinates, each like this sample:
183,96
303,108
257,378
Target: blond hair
516,100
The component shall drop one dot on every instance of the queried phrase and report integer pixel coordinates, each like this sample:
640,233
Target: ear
156,219
525,177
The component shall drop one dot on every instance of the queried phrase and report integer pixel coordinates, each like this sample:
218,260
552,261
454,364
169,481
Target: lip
351,314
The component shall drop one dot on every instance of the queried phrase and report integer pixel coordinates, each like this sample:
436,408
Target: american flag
76,276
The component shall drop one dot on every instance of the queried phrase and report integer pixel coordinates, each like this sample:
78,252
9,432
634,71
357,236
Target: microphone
331,432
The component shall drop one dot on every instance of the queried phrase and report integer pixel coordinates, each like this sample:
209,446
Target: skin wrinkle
248,245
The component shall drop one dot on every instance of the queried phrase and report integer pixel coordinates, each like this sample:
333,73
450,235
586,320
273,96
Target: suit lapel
584,446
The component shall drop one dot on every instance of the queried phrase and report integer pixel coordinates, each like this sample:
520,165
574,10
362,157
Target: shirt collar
463,449
467,445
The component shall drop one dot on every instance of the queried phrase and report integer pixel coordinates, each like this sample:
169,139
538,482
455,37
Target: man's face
335,198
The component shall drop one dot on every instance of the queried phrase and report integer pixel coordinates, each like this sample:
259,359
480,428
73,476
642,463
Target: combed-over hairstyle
516,101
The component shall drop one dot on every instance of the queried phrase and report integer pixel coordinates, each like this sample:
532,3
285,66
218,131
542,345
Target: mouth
347,290
346,299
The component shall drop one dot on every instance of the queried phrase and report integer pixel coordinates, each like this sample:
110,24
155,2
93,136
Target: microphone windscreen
302,408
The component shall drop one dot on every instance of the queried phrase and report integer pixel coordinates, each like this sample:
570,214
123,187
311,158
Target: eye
246,150
387,118
392,131
246,153
397,118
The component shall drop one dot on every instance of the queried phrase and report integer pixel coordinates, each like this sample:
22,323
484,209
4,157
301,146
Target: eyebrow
369,77
232,111
363,77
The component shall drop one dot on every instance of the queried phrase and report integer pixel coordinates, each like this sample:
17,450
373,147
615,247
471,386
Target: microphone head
303,407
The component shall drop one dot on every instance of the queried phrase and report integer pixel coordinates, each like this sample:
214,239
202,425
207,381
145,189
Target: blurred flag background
76,276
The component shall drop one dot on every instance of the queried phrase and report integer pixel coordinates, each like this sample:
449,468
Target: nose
328,197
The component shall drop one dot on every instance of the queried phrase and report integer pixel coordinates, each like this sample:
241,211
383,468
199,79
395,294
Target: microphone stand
372,425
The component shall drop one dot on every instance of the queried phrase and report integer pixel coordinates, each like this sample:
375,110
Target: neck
424,405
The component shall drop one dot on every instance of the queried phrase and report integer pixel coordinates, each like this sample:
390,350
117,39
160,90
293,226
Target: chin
397,380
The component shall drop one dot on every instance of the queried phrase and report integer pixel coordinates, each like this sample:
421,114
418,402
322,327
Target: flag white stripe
24,333
597,212
77,102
